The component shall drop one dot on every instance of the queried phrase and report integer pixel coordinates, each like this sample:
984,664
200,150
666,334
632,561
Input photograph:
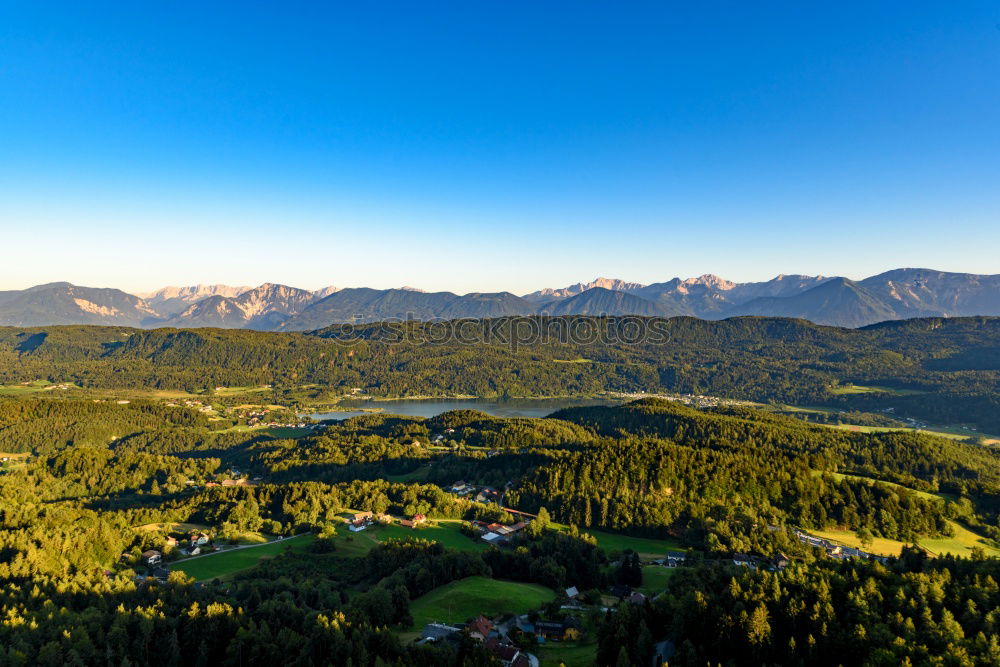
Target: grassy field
34,388
644,546
960,545
950,432
847,389
467,598
655,577
239,391
16,460
444,532
231,562
571,654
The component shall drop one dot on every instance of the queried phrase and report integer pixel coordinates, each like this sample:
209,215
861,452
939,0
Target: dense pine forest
134,493
938,370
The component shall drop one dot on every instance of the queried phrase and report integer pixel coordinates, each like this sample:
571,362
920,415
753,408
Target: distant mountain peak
895,294
614,284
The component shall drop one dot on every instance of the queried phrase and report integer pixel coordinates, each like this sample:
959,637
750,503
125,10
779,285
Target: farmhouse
480,628
417,520
152,557
488,495
508,654
674,558
567,629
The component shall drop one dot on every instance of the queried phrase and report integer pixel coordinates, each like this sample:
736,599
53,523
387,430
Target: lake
518,407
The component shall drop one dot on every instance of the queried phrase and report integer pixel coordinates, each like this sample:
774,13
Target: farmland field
444,532
644,546
467,598
236,560
960,545
655,577
570,654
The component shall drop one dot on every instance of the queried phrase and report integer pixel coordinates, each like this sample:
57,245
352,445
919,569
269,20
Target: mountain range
837,301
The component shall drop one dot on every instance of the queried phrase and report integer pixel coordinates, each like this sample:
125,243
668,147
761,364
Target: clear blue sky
495,145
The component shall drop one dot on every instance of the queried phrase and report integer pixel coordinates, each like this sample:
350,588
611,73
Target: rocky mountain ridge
896,294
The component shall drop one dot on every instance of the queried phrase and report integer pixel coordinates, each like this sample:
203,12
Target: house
488,495
417,520
508,654
235,482
674,558
460,487
199,539
568,629
480,628
152,557
171,541
494,527
637,598
360,516
383,518
781,561
493,538
572,592
357,526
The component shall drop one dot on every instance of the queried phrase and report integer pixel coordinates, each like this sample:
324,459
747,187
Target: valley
164,468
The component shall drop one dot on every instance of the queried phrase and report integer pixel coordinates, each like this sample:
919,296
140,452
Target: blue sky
483,146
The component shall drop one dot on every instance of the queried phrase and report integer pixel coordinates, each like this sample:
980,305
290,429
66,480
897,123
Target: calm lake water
540,407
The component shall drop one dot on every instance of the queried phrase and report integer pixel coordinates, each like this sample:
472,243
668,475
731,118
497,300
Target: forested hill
939,369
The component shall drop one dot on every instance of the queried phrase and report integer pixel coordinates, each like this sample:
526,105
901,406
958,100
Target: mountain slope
601,301
922,292
64,303
548,294
369,305
169,301
837,302
264,307
487,305
363,304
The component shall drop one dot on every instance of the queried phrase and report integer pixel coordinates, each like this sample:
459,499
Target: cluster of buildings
837,551
500,637
485,494
497,533
362,520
